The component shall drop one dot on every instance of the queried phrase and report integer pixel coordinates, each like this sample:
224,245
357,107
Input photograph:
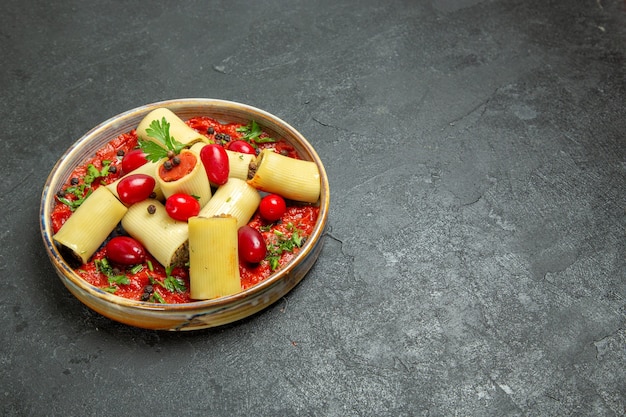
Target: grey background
475,259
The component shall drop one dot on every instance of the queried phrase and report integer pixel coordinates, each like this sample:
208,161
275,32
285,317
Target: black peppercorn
147,292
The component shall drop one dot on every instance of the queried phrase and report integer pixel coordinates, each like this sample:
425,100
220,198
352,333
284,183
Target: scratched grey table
475,259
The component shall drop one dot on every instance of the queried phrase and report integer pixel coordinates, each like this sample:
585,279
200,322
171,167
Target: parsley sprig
160,131
252,133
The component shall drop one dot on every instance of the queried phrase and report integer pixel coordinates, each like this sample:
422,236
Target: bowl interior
224,111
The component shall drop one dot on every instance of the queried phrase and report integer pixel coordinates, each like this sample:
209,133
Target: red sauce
303,218
187,164
299,218
122,144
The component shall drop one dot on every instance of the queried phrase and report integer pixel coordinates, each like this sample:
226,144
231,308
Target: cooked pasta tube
164,237
149,168
88,227
179,130
235,198
195,182
292,178
238,162
213,257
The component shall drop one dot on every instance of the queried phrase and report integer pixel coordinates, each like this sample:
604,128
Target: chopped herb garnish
266,139
160,131
93,173
282,243
81,191
170,283
252,133
118,279
136,269
174,284
103,266
81,196
156,298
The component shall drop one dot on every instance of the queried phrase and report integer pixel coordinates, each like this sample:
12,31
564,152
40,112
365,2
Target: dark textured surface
475,263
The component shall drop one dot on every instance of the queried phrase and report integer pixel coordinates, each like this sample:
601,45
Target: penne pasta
292,178
164,237
150,168
235,198
179,130
83,233
213,257
195,183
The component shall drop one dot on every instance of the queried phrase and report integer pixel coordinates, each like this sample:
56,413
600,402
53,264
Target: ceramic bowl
199,314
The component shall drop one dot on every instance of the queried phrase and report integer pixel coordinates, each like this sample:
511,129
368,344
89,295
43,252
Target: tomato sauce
148,281
111,152
176,172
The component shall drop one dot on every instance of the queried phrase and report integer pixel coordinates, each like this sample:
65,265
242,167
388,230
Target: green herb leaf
93,173
154,152
118,279
274,261
296,239
103,266
136,269
160,131
252,132
74,204
282,243
170,283
84,190
266,139
174,284
156,298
